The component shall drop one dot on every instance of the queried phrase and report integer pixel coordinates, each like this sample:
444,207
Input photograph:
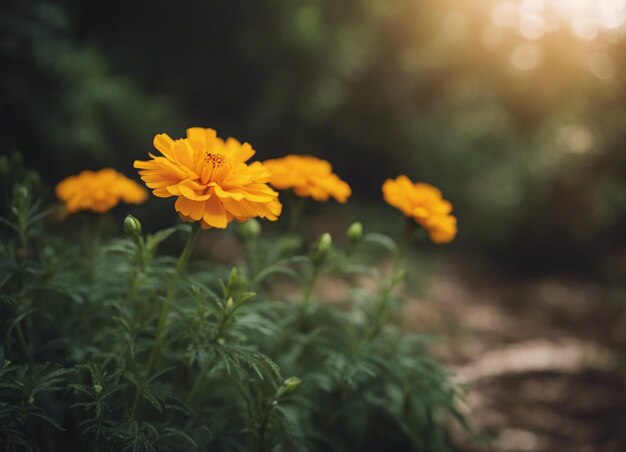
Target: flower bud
251,229
21,195
97,388
289,386
233,281
323,247
355,232
230,304
132,226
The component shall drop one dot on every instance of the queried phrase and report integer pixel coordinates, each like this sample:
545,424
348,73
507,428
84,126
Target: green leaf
382,240
41,414
174,432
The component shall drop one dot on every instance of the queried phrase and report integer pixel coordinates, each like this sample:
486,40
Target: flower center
212,166
216,160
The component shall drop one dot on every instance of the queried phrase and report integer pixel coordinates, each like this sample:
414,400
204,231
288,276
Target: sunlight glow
526,56
585,18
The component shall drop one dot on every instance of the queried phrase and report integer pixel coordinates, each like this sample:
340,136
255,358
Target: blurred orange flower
210,178
308,176
99,191
425,204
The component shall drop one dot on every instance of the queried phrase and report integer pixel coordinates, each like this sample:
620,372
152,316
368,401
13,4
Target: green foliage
21,389
93,361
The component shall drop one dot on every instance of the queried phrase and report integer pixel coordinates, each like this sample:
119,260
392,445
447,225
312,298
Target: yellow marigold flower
308,176
99,191
210,178
425,204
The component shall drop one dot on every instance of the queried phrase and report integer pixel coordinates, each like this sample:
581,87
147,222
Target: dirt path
544,359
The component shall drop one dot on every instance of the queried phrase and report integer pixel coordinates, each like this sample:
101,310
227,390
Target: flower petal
190,194
214,214
164,143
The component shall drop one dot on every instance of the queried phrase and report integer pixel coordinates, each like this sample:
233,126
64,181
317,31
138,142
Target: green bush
109,345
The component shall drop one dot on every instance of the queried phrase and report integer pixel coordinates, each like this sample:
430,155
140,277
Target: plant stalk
297,204
165,308
308,291
383,305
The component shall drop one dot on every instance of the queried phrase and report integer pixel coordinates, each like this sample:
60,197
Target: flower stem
139,265
134,286
308,291
165,308
382,309
196,386
220,328
263,428
94,227
251,257
23,299
306,295
171,289
296,209
199,383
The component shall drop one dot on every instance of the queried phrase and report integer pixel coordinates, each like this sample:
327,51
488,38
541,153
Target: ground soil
543,358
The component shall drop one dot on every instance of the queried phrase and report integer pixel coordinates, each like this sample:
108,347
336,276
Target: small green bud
251,229
97,388
324,245
132,226
31,400
233,283
21,195
230,304
289,385
221,340
233,277
355,232
325,242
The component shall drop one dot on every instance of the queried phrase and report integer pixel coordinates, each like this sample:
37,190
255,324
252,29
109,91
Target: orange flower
425,204
210,178
308,176
98,191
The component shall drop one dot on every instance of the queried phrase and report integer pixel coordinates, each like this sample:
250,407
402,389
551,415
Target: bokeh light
575,139
585,18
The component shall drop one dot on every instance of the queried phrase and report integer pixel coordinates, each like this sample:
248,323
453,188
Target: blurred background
516,109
